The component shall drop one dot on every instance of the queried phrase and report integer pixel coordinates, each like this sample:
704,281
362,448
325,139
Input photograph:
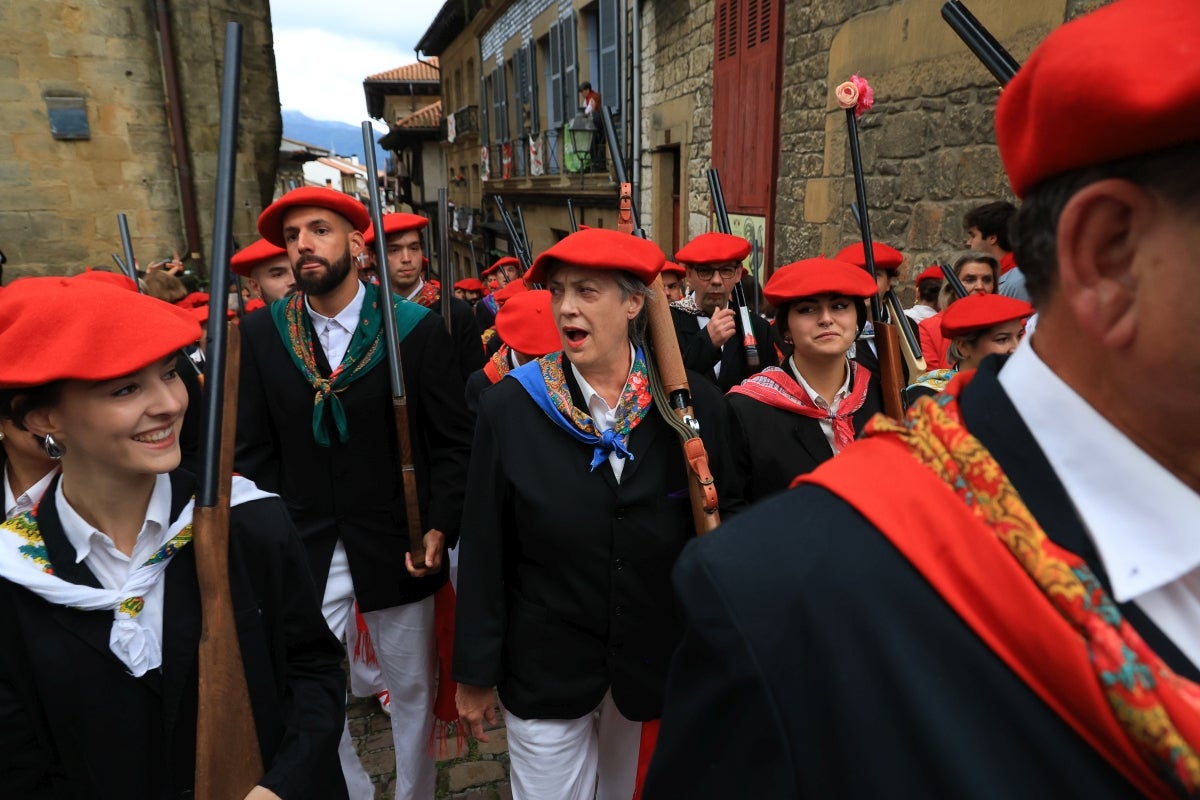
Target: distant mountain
340,137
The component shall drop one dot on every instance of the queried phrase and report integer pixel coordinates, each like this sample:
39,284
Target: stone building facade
60,198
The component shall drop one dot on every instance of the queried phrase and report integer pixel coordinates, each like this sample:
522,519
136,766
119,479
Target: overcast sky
324,49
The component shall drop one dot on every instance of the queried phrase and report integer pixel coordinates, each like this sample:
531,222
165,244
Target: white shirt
334,332
920,313
14,505
830,408
604,415
703,321
416,291
1143,520
112,567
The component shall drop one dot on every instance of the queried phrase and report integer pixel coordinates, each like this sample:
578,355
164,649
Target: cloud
323,51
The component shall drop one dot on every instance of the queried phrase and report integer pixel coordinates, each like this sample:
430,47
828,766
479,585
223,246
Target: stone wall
60,199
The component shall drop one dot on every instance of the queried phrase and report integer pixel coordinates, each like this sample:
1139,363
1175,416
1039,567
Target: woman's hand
475,704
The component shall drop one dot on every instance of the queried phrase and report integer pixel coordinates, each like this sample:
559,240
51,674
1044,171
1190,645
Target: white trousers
403,637
594,756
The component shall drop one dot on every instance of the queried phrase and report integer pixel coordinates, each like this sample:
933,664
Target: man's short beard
335,273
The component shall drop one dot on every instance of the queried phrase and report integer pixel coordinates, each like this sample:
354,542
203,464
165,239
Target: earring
53,448
1,436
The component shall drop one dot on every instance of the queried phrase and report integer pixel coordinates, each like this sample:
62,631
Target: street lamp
582,131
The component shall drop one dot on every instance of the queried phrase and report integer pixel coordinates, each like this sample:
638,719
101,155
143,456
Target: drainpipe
183,159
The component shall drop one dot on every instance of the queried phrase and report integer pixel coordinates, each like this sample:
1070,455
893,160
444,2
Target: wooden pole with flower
856,97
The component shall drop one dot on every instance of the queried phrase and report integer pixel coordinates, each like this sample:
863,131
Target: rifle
749,341
980,41
130,265
474,261
444,270
519,244
886,342
412,508
228,759
955,284
668,377
571,215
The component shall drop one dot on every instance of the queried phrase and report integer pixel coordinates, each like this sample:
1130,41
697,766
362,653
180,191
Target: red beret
1119,82
599,248
931,273
270,221
501,262
513,287
251,256
396,223
118,279
469,285
713,248
977,311
674,268
193,300
814,276
254,304
61,328
887,258
526,324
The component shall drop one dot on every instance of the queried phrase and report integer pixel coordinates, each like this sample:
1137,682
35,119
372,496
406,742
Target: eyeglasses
706,273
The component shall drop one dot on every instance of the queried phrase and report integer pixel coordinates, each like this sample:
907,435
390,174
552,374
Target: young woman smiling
99,602
786,420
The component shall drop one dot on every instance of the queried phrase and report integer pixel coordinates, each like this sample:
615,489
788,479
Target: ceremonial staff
855,97
228,761
749,341
668,377
416,535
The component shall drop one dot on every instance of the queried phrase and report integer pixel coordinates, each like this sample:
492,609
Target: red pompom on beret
118,279
887,258
396,223
674,269
599,248
976,311
501,262
815,276
469,285
270,221
62,328
931,273
253,255
1121,81
526,324
713,248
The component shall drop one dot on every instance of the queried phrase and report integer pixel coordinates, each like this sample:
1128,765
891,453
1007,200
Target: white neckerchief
604,416
334,332
13,504
138,646
1142,519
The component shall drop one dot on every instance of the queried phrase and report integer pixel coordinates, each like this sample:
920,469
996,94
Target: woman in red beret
99,601
977,326
786,420
579,508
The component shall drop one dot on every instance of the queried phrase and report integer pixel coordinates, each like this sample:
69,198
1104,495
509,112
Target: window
609,74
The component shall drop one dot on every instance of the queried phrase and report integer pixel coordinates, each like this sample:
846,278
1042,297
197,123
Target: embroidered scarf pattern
776,387
688,306
428,296
366,349
546,383
936,379
1158,709
499,364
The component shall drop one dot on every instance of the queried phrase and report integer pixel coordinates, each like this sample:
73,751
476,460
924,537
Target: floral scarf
428,296
936,379
366,349
546,383
499,365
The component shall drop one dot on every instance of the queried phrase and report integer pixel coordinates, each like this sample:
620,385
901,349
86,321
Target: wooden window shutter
610,60
569,32
554,87
531,90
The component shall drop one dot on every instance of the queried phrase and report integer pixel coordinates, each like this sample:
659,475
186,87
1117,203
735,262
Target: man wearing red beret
710,331
1010,610
501,273
267,269
929,286
316,424
406,265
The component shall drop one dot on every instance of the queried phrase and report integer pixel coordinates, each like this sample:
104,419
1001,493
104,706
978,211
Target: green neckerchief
366,349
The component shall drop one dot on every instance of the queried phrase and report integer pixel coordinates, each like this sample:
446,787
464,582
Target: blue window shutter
531,91
570,38
554,88
610,61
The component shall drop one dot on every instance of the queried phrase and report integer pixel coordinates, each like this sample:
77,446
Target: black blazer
700,355
770,446
464,330
563,572
833,669
353,490
75,724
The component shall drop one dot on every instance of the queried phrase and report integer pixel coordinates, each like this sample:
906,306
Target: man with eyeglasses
711,336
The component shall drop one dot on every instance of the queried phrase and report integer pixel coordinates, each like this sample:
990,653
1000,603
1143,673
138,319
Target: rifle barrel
980,41
130,265
395,369
444,269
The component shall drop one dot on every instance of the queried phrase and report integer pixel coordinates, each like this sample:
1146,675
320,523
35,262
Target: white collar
32,495
589,393
1141,517
80,532
347,318
416,291
840,395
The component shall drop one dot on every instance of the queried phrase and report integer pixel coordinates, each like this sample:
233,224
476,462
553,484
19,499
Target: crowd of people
993,596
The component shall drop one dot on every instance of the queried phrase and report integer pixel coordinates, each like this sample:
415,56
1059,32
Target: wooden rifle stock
910,345
228,759
891,379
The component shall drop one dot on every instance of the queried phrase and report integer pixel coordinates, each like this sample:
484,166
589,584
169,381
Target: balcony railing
466,122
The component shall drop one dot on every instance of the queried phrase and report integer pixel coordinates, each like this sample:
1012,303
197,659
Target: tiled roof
428,117
410,72
343,167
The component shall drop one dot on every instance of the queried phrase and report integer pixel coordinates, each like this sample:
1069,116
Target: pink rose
855,93
847,95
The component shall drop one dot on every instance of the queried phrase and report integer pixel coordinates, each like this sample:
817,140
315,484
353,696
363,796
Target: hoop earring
53,448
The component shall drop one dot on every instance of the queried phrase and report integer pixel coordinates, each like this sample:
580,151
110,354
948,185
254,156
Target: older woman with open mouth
578,511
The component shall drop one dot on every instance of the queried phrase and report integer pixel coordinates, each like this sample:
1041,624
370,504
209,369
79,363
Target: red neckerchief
1007,262
777,388
428,296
